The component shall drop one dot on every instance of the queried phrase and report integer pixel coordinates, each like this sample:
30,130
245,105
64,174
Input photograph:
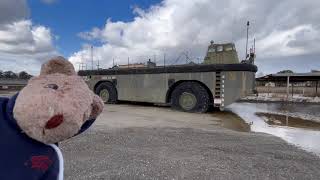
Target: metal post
186,57
317,88
113,63
292,89
98,65
248,24
128,62
164,60
288,84
92,57
254,49
254,45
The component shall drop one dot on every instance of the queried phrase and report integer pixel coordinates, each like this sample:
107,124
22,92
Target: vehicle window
212,49
228,48
220,48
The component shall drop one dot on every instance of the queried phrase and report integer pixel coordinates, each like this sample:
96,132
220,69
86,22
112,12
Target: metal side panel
207,78
142,87
153,88
232,87
237,85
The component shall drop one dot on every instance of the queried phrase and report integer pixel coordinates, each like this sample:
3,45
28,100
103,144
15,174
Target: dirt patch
232,121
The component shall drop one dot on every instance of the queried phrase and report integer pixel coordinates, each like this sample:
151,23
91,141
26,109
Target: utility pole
128,62
112,62
164,60
254,45
248,24
187,57
92,57
98,65
288,85
317,88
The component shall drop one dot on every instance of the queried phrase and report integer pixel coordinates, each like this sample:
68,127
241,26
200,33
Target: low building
12,84
299,83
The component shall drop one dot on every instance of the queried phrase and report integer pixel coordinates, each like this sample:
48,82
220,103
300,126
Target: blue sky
67,18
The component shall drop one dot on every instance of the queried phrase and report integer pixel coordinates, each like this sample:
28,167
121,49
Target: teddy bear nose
54,122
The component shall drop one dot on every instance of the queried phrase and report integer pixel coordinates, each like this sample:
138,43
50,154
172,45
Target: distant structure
12,84
290,83
135,65
149,64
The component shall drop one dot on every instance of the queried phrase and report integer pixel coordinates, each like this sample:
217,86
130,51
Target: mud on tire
190,97
107,92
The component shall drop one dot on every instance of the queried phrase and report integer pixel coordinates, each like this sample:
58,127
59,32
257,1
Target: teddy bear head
56,104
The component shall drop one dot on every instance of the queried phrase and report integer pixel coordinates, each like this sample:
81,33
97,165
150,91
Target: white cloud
22,43
296,41
23,46
22,38
282,29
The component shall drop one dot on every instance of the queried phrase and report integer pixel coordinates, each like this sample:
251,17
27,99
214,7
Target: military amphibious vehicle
219,81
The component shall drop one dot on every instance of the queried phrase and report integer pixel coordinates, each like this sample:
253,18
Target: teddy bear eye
52,86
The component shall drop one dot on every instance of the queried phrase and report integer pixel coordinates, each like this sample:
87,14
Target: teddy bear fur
57,91
54,106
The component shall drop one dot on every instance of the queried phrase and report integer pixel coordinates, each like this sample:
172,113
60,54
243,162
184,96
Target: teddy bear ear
57,65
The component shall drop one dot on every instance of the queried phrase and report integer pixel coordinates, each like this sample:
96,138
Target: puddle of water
232,121
298,131
288,121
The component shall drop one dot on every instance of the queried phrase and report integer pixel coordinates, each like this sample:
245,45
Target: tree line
12,75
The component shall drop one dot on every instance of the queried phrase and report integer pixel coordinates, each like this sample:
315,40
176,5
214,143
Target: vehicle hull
225,83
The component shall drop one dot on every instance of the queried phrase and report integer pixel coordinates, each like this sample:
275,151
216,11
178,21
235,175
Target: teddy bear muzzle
54,122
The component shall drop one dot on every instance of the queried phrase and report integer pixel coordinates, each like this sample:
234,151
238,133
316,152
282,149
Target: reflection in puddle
297,131
285,120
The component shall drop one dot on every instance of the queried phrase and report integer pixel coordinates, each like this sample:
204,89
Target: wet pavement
295,123
231,121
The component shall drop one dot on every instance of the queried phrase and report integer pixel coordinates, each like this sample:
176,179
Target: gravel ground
135,142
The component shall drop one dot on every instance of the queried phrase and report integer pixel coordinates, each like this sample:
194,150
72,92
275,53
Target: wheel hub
104,94
187,101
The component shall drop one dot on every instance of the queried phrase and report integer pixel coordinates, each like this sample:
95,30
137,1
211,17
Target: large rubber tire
188,92
107,93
